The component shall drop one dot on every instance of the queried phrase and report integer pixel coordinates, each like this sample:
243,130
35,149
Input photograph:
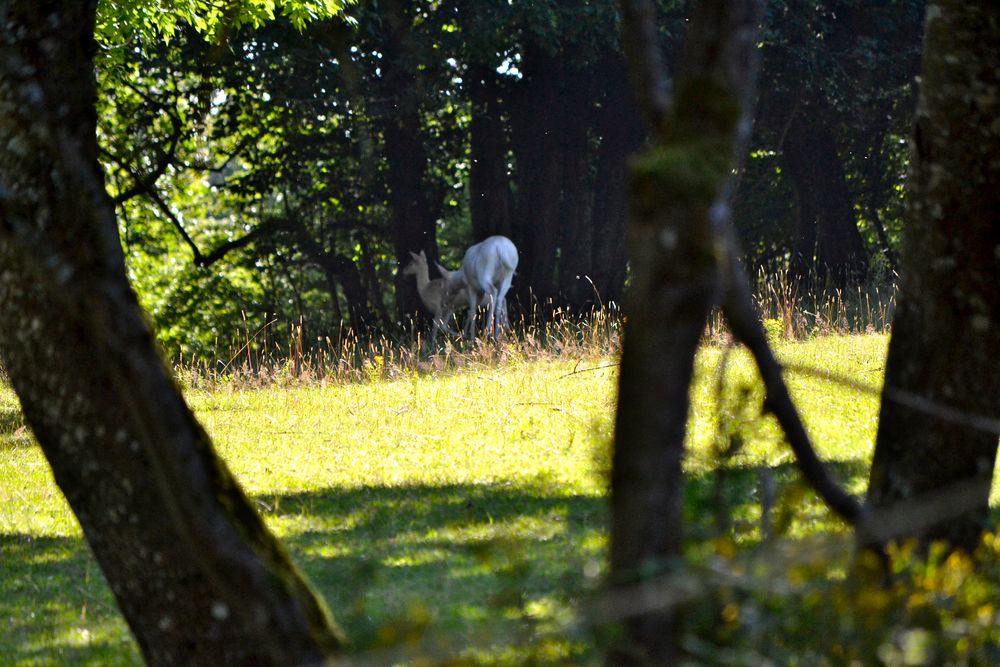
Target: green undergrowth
462,512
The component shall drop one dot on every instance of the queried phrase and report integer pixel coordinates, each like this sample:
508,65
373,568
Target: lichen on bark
171,529
942,372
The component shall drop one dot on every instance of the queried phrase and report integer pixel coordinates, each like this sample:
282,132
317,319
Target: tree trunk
357,304
344,272
413,217
489,184
195,572
340,272
539,178
937,437
373,288
621,130
576,219
827,243
676,280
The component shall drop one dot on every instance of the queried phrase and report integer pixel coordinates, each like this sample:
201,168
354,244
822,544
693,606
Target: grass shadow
57,608
484,571
729,500
492,572
492,567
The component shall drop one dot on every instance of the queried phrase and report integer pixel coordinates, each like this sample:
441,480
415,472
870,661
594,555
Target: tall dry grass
798,309
256,360
789,310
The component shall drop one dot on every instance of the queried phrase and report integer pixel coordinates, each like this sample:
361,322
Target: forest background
222,183
274,179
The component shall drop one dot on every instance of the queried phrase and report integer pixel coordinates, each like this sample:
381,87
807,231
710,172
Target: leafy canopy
147,21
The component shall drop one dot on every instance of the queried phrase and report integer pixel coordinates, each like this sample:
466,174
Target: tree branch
724,58
155,197
738,307
166,156
223,249
200,259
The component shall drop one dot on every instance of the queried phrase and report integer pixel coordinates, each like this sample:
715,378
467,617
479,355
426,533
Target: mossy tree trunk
675,254
937,438
195,572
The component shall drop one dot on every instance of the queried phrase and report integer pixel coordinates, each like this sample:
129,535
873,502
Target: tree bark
940,405
340,271
676,281
197,575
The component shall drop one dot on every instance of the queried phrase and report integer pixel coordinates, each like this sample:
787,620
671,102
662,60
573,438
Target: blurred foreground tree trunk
197,575
677,186
938,432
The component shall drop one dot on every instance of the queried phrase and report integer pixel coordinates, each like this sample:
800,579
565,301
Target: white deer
485,277
441,296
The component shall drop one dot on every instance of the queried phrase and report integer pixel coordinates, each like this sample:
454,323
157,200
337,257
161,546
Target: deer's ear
415,255
423,256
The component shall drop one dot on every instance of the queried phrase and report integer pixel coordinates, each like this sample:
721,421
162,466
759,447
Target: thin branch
765,570
141,184
726,51
909,399
830,376
724,58
587,370
916,514
146,187
166,157
738,307
200,259
223,249
155,197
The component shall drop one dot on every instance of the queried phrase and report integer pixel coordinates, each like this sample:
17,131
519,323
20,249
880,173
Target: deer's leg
470,321
432,342
491,325
446,322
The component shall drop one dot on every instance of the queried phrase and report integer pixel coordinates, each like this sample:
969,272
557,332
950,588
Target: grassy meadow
452,512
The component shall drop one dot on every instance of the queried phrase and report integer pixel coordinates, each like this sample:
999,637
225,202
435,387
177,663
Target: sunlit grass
464,509
483,426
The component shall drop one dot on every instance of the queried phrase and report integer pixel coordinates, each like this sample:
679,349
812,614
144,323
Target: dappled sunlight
478,427
841,419
467,553
462,512
473,554
729,500
55,602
